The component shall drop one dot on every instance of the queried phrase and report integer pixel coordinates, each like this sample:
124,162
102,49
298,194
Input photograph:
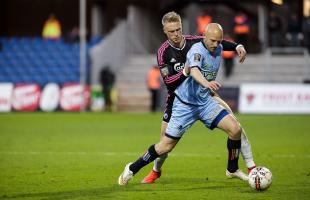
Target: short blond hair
171,17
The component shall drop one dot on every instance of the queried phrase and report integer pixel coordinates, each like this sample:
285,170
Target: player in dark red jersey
171,57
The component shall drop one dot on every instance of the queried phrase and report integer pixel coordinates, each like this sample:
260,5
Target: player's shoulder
219,49
197,46
163,46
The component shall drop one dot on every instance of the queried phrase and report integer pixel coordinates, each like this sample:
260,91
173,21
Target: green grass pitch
55,156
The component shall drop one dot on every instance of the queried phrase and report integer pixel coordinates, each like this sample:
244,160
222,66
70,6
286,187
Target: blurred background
94,55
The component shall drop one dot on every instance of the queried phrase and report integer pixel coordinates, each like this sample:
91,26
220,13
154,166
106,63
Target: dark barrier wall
231,96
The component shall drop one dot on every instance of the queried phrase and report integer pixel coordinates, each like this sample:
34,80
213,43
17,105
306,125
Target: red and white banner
73,97
6,90
274,98
26,97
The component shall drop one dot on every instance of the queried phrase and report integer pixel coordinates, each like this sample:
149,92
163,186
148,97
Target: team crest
197,57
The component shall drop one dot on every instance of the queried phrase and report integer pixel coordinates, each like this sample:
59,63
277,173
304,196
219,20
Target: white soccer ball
260,178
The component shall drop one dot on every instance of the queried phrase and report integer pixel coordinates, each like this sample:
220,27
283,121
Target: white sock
246,151
158,162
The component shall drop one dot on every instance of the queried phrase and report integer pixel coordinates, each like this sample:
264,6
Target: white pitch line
82,153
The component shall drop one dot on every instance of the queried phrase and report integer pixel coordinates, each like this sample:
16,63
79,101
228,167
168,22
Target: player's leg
158,163
246,150
230,125
182,118
155,173
165,145
212,114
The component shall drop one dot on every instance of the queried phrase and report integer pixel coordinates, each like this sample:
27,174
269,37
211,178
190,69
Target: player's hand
213,85
241,53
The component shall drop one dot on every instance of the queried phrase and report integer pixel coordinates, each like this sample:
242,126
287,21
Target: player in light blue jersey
194,102
208,64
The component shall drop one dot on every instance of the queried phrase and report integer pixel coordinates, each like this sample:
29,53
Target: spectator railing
287,51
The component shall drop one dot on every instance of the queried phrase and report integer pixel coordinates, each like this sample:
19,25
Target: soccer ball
260,178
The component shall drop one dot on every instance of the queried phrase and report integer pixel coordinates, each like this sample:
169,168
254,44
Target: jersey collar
211,53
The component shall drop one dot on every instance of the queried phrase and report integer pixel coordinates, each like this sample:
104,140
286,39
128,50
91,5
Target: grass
55,156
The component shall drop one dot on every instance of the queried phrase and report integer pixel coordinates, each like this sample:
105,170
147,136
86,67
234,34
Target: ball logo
178,66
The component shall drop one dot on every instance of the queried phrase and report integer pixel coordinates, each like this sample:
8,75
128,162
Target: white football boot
126,176
237,174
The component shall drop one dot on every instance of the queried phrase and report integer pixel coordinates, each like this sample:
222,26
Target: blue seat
16,79
2,71
8,63
38,47
21,55
38,62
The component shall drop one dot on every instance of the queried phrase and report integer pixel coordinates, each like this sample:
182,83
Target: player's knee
167,149
163,148
235,131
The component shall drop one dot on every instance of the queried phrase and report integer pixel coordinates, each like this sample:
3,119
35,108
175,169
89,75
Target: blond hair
171,17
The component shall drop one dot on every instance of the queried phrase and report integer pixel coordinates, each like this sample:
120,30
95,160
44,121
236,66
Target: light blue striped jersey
208,63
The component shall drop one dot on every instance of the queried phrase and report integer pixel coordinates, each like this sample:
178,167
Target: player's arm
232,46
171,80
199,78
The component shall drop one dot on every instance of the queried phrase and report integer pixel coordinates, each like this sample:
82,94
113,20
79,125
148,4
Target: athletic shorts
185,115
168,109
169,104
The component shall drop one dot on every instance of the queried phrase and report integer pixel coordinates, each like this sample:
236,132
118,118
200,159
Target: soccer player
171,57
194,102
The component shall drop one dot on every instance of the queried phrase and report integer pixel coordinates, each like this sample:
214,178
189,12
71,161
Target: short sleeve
194,58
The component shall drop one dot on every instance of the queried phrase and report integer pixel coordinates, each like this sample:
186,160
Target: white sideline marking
82,153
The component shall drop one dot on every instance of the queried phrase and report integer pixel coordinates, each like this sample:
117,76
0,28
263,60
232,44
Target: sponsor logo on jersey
209,75
178,66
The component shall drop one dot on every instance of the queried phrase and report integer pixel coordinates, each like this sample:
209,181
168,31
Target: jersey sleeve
194,57
171,80
229,45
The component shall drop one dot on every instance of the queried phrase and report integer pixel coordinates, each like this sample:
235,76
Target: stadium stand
258,68
35,60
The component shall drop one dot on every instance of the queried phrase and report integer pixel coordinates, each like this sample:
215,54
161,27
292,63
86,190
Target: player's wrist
239,45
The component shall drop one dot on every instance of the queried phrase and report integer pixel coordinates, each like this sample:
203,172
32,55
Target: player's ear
164,30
